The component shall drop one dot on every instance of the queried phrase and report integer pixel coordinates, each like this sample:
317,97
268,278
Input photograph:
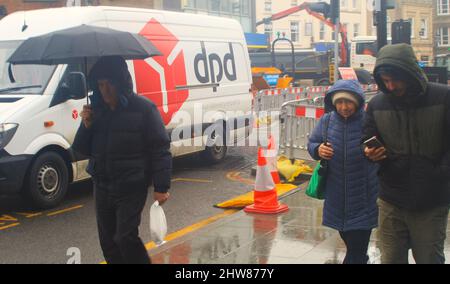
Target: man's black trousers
118,219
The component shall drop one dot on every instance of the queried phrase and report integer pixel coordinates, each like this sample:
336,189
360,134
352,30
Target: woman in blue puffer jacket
351,182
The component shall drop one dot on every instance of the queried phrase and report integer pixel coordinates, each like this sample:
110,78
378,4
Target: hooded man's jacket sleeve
82,141
160,158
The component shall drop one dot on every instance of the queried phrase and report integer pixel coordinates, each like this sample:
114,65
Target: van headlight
7,131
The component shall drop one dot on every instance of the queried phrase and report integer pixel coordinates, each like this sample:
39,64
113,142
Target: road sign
347,73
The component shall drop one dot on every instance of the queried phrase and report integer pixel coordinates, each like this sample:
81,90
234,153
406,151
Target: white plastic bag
374,255
158,224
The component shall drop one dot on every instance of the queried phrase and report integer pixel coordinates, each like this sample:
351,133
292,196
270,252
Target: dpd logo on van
204,66
157,77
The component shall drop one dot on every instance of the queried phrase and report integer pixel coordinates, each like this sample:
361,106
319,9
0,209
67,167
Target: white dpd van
204,69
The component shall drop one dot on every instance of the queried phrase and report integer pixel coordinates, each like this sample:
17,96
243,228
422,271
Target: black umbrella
78,44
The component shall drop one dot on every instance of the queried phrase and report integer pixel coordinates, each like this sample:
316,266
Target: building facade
304,30
10,6
241,10
420,13
441,31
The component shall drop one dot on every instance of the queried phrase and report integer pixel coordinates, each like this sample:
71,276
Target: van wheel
214,154
48,180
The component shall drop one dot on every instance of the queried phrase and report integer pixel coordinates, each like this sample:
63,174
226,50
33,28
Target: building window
294,31
268,31
294,3
225,7
423,33
355,4
189,4
443,36
412,27
245,7
268,6
443,7
201,5
345,27
3,11
355,30
388,27
308,29
236,7
214,5
322,31
343,4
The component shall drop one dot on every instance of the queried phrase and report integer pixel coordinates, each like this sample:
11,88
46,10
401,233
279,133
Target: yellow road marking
235,176
9,226
192,180
8,218
29,215
64,210
194,227
191,228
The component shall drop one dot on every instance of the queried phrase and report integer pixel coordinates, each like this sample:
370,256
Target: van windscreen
21,79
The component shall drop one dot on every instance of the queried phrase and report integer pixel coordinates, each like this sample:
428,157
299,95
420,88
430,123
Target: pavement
293,237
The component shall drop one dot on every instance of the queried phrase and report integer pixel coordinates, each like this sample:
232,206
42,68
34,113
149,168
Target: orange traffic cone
265,194
271,155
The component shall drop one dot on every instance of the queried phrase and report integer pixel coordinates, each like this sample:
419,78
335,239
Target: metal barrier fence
298,118
273,99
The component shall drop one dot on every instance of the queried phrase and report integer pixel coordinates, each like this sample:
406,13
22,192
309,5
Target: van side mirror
76,83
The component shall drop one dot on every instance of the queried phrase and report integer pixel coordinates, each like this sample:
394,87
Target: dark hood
351,86
400,57
115,69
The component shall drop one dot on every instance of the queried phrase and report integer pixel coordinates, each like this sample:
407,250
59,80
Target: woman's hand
326,151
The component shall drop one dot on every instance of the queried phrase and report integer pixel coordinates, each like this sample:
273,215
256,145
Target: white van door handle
201,86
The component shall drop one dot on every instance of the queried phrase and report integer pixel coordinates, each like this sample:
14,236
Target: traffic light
329,11
334,10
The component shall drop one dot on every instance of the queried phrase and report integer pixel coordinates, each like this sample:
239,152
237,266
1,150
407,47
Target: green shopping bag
316,186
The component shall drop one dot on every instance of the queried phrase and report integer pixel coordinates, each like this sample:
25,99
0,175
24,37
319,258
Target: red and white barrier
273,92
309,112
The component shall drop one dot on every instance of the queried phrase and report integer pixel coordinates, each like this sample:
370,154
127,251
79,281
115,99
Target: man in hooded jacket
411,117
128,148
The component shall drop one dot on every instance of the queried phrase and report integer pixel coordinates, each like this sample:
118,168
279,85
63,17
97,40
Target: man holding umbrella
124,137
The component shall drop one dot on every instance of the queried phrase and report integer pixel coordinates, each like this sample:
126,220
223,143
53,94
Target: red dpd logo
157,77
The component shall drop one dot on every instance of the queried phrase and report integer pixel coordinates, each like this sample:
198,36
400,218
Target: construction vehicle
310,65
361,61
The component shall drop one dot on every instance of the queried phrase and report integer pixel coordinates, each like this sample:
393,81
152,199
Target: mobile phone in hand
373,142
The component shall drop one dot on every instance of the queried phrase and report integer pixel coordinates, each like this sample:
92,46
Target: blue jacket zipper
344,173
